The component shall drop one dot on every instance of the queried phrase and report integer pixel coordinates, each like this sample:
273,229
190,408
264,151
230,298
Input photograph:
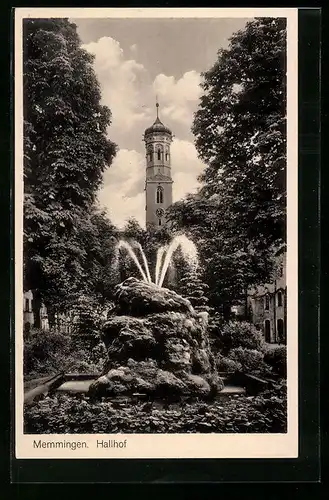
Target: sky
135,61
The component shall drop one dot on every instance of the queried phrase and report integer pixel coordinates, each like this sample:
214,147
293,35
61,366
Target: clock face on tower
159,212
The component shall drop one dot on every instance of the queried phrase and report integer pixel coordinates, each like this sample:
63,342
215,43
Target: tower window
159,194
149,154
159,151
159,222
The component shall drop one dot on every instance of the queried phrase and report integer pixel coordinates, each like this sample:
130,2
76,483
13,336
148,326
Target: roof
157,126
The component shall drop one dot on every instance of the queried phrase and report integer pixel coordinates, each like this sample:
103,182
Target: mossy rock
138,298
147,379
156,345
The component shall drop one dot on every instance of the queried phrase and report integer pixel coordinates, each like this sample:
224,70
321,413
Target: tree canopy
240,131
237,217
66,150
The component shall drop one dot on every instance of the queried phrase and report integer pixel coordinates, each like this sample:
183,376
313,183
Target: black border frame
307,467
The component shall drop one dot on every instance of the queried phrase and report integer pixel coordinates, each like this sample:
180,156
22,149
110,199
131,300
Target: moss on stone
162,351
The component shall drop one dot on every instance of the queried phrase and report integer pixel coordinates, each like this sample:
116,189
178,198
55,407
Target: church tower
158,183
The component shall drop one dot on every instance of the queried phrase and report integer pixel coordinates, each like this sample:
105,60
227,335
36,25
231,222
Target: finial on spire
157,105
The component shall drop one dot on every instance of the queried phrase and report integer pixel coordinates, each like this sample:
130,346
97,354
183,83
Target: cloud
125,86
123,193
179,97
186,167
121,80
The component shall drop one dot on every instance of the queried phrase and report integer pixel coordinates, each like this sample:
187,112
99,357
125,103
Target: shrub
47,352
276,357
45,349
236,334
99,353
227,365
82,366
214,328
61,414
249,360
90,319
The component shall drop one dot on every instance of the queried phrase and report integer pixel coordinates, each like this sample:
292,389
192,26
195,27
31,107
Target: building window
159,194
281,270
27,305
267,302
159,154
279,299
267,331
280,328
159,222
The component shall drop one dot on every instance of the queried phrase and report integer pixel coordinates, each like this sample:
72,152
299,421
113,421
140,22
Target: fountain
127,246
163,258
146,266
189,252
157,344
160,253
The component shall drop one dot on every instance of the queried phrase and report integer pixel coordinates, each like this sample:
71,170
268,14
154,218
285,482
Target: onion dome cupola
158,126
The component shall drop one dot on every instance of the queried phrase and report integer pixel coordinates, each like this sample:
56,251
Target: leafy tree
195,213
99,238
228,267
240,131
66,151
133,230
238,215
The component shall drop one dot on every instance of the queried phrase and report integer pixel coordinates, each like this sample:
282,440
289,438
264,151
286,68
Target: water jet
164,257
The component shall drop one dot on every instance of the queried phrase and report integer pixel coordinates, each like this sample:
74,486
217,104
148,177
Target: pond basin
82,386
235,384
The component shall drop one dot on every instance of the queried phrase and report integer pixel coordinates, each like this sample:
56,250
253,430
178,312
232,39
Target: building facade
28,314
268,305
158,181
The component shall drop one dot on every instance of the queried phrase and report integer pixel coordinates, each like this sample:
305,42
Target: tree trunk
226,312
36,306
246,311
51,318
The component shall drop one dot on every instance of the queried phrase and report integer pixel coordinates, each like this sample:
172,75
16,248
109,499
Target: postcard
156,233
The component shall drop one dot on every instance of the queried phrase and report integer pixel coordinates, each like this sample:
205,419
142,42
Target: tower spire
157,106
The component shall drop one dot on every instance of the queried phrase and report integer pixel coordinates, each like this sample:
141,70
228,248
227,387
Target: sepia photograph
153,231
